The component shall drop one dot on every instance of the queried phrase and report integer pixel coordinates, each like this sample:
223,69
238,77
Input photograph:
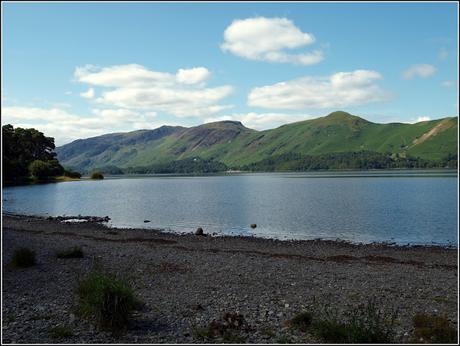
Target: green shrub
60,332
302,321
23,257
433,329
75,252
106,298
97,175
363,324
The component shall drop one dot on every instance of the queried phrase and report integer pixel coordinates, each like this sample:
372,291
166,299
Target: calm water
402,207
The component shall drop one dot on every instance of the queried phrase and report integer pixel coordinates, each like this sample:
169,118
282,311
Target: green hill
236,146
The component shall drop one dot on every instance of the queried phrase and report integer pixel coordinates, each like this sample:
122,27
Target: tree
97,175
45,169
21,147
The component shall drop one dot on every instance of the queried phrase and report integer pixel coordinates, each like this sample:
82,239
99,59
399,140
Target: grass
302,321
64,178
202,333
365,323
433,329
39,317
23,258
284,339
75,252
108,299
60,332
224,329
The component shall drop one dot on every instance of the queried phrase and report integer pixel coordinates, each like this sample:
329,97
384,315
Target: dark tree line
185,166
292,162
347,160
27,153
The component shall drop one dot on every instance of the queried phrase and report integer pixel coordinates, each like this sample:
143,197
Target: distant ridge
234,145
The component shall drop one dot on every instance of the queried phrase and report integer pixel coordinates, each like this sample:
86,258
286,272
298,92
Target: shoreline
61,179
390,244
267,281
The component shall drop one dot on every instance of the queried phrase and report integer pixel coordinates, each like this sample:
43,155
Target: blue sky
83,69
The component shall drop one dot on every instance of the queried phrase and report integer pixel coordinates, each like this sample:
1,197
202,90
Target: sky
78,70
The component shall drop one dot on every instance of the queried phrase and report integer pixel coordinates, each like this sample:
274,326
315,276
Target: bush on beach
106,298
75,252
365,323
23,258
433,329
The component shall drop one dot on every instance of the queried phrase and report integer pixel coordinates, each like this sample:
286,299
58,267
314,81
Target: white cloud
447,83
423,118
65,126
183,94
193,76
341,89
261,121
266,39
443,54
88,94
420,70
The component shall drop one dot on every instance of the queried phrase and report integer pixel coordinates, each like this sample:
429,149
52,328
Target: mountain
233,144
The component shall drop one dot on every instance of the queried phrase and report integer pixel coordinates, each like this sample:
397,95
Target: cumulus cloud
443,54
339,90
423,118
266,39
183,94
261,121
88,94
447,83
65,126
419,70
193,75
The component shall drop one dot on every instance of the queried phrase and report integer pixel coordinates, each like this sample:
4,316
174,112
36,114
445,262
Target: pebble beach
186,281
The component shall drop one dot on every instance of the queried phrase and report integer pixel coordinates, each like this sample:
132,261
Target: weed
60,332
202,333
433,329
108,299
363,324
23,257
283,339
75,252
301,321
224,329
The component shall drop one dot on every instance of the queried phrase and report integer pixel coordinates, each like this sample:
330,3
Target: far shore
186,281
61,179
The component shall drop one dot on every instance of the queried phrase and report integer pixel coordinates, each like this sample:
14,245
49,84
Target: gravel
187,281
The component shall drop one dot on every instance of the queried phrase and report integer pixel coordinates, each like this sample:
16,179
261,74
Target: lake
404,207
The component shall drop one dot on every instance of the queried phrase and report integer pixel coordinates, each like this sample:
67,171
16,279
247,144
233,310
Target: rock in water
145,221
199,231
253,225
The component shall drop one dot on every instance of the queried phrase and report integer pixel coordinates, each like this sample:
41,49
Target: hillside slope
233,144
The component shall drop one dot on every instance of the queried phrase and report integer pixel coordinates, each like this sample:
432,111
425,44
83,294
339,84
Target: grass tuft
365,323
301,321
108,299
60,332
433,329
224,329
75,252
23,258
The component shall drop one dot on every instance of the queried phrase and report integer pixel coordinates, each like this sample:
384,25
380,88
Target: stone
199,231
253,225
